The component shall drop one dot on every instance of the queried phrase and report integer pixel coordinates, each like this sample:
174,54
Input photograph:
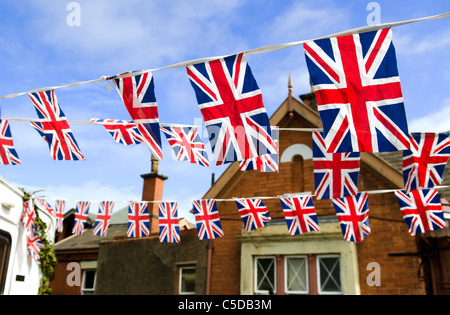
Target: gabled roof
281,119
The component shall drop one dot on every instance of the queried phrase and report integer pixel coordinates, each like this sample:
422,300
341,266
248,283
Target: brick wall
389,232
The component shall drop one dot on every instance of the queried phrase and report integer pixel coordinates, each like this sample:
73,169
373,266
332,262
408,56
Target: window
187,277
329,274
88,286
265,277
296,275
5,248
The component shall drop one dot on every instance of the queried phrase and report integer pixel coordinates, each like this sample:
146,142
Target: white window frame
180,279
319,286
286,289
255,276
83,285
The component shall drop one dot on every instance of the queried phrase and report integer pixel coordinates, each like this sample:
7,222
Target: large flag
169,224
53,127
123,131
335,174
81,215
353,215
424,164
103,218
421,210
253,212
138,95
186,144
358,91
232,107
300,214
60,206
8,154
207,218
138,220
265,163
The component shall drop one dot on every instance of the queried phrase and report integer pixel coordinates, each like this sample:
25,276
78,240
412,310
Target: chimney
153,191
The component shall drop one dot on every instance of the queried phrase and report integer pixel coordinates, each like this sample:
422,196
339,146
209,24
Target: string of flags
421,210
232,107
357,86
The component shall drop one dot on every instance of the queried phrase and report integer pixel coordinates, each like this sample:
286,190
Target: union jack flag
44,205
60,206
358,91
169,224
34,247
335,174
232,107
300,214
123,131
8,154
53,127
138,220
186,144
138,95
253,212
421,210
265,163
424,164
29,216
207,218
103,218
81,215
353,215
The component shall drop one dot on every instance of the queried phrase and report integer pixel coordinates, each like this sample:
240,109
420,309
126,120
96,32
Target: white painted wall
20,263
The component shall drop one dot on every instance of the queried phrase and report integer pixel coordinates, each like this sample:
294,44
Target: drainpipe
208,270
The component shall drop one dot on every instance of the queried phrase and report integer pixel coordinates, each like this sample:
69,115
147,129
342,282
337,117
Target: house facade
268,260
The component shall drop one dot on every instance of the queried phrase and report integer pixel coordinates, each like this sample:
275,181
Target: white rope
372,192
249,52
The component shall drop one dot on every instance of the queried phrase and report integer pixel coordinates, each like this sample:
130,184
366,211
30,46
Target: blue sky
39,49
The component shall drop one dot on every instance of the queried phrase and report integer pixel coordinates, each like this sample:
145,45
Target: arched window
297,154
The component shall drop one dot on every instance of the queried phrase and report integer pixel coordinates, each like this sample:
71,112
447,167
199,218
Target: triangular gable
281,119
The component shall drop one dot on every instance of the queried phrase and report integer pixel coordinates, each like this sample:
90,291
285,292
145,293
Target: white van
19,273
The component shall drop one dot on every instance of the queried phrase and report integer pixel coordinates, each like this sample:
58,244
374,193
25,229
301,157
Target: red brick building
268,260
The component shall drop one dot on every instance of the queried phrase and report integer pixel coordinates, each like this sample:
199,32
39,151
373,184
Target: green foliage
47,254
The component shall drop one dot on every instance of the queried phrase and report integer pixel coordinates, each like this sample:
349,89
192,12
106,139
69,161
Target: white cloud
438,121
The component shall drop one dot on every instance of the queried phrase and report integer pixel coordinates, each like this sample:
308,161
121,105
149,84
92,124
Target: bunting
138,220
300,214
123,131
335,174
60,206
186,144
169,224
254,213
81,215
8,154
265,163
232,107
353,215
207,218
53,127
424,164
103,218
358,91
421,210
138,94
